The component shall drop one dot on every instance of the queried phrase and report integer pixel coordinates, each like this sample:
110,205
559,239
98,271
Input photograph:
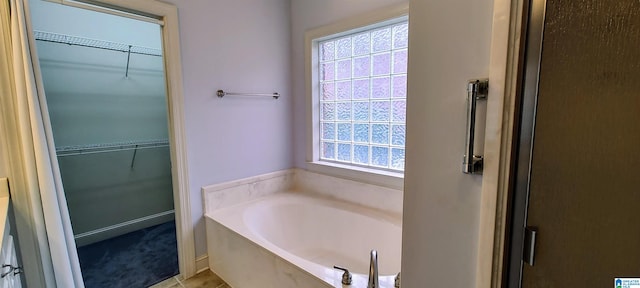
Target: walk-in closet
107,105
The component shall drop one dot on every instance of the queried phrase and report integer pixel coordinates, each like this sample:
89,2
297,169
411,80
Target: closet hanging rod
112,147
106,151
222,93
93,43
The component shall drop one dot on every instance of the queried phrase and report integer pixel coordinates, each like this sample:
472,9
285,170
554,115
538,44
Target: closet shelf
110,147
93,43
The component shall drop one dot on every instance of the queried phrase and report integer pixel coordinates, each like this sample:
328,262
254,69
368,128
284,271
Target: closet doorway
105,85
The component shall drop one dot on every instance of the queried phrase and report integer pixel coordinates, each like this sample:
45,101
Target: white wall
238,46
306,15
449,43
91,101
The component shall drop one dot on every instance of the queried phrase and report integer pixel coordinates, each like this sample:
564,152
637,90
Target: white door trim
501,107
168,16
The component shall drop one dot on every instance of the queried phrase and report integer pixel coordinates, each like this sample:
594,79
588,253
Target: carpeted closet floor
134,260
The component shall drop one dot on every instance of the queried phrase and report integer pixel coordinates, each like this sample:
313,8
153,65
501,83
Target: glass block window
363,97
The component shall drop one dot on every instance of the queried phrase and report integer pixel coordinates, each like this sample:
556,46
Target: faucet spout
373,270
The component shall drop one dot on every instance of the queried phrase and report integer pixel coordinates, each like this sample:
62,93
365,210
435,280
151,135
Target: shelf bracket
133,159
126,73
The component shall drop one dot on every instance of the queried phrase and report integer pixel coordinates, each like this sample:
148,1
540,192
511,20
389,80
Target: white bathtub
294,240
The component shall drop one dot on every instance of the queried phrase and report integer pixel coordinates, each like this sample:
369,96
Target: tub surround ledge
239,191
301,181
360,193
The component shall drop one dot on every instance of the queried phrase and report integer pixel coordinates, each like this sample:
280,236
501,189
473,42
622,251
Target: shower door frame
166,15
506,68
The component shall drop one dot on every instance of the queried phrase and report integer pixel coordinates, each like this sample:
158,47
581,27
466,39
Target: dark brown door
584,189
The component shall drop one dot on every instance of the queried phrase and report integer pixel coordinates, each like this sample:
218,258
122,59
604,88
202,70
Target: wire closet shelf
93,43
110,147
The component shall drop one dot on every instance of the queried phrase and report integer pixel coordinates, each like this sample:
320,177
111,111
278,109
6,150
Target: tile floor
204,279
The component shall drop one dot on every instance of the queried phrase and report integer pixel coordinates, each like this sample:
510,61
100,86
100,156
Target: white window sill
394,180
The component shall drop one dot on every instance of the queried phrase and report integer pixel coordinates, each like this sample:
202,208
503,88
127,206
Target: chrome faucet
373,270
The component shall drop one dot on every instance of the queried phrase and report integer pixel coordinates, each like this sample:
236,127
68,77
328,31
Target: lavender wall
305,15
240,45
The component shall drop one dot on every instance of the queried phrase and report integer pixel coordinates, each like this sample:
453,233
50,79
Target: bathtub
292,239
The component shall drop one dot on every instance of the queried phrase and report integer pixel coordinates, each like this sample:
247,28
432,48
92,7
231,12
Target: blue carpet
134,260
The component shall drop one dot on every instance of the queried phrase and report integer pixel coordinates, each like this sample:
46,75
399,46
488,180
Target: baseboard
202,263
97,235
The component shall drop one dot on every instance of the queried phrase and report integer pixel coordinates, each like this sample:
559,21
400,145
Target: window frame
378,176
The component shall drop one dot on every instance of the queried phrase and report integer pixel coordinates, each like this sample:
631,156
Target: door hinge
530,235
